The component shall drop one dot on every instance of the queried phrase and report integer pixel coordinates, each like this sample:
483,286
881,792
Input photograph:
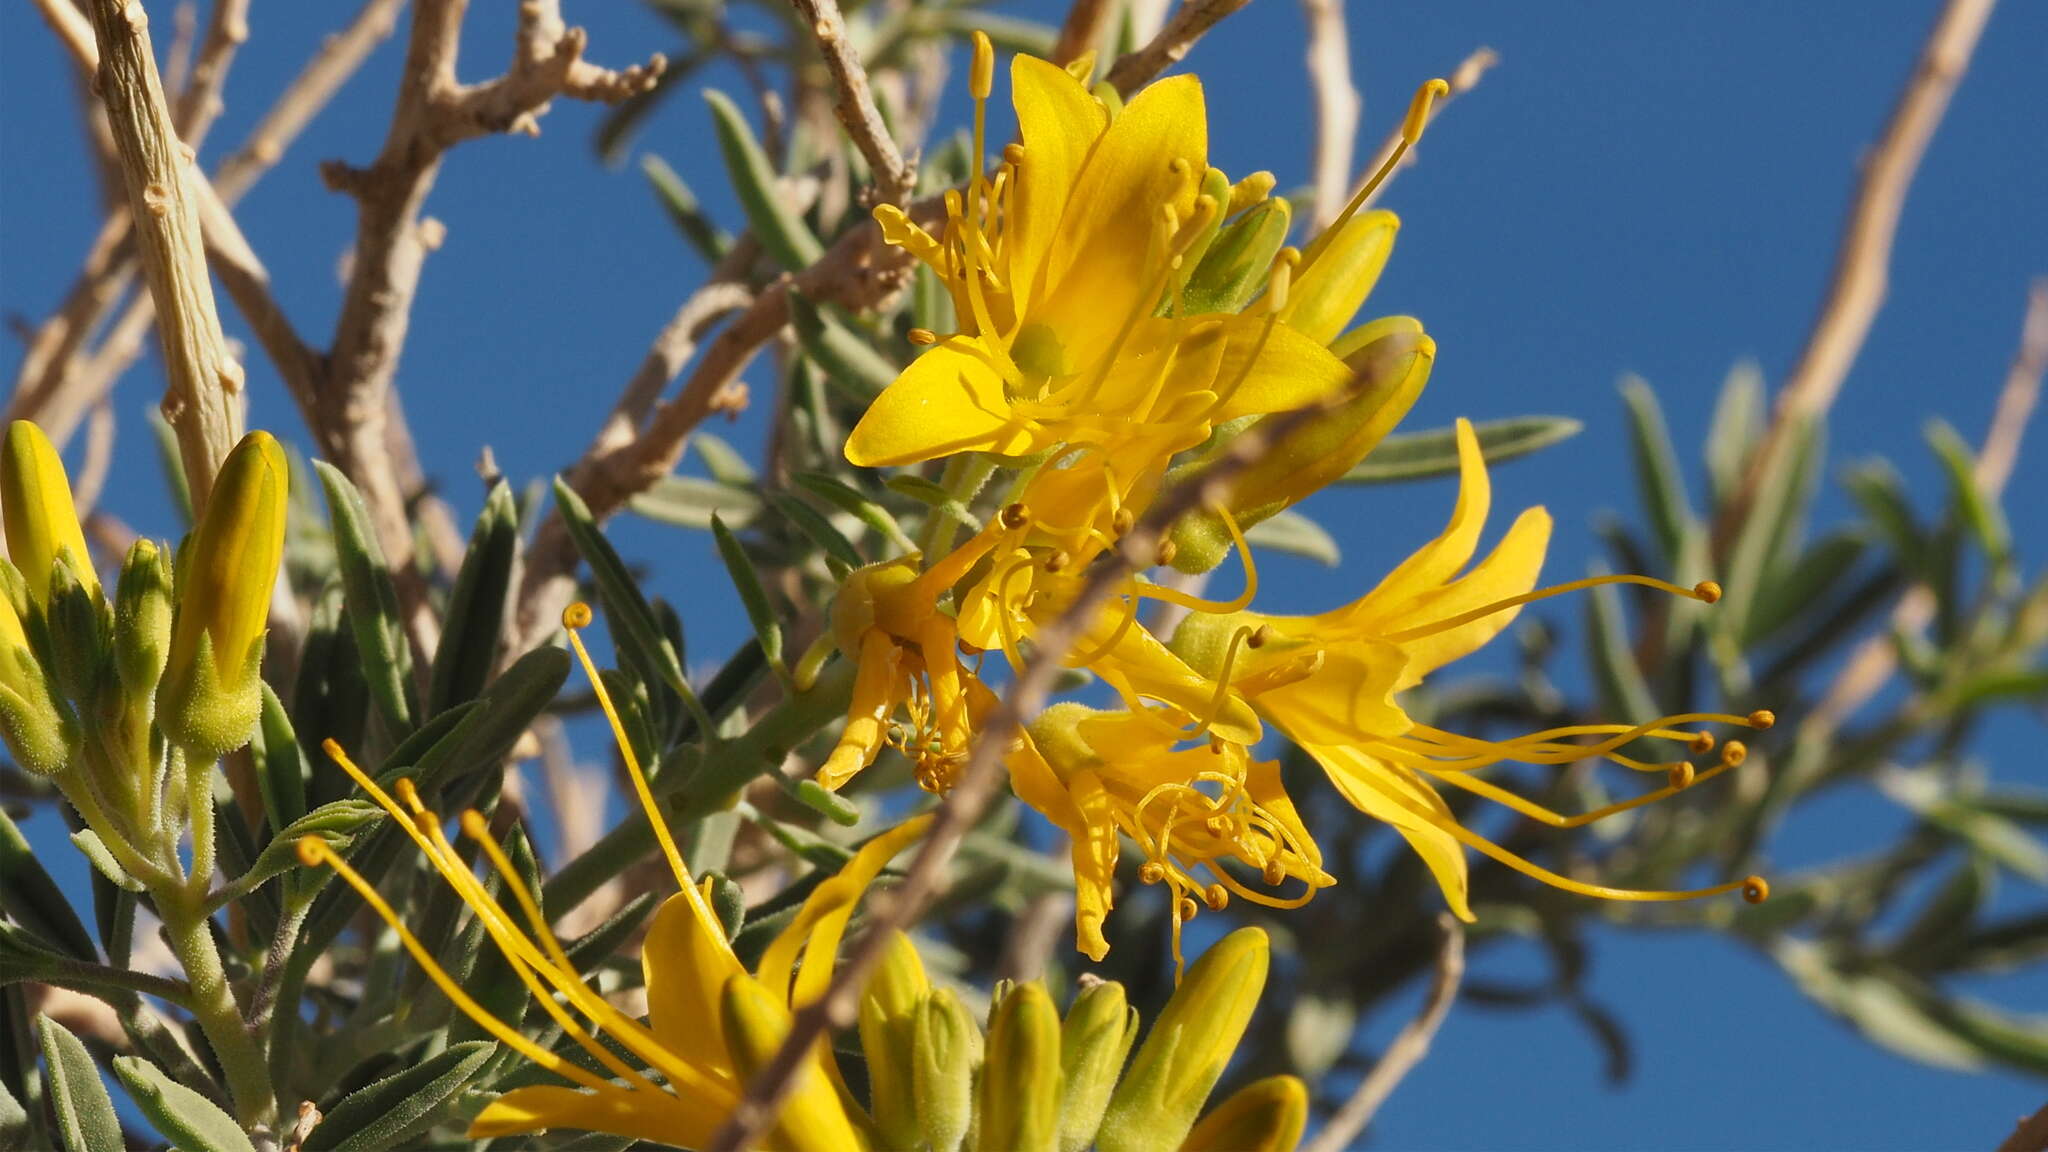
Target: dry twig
1337,107
2029,1135
1407,1050
199,102
854,104
1170,46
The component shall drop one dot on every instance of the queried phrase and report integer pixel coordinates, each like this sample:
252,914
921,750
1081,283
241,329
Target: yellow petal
1440,559
1323,299
1396,796
686,962
1094,845
1103,270
687,1122
1269,367
1347,700
822,920
813,1118
1509,570
35,498
1058,123
949,400
1146,667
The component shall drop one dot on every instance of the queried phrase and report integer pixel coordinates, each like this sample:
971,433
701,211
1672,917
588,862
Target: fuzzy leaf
85,1113
1420,455
381,1115
691,501
191,1122
32,898
476,608
1295,534
782,232
372,604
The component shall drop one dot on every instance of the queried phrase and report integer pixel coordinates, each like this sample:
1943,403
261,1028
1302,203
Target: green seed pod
209,700
1020,1082
948,1051
1095,1039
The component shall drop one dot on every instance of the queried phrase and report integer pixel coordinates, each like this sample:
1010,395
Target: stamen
1221,696
1014,154
1681,776
1281,278
1218,607
1150,872
1016,516
1756,889
1411,131
981,75
575,618
1703,592
1251,190
922,337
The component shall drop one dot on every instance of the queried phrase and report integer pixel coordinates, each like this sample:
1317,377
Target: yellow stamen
1411,131
575,618
1706,592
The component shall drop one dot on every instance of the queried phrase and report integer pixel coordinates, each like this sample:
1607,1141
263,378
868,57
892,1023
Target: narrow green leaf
1940,932
506,709
1420,455
476,608
102,860
1974,507
628,616
32,898
280,763
839,551
330,696
172,464
1879,491
1656,465
783,233
691,501
600,943
15,1129
847,360
381,1115
1731,437
1626,693
1295,534
850,500
85,1113
191,1122
709,240
372,604
1780,502
1812,581
723,461
747,582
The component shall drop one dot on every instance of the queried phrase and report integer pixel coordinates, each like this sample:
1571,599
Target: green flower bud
42,523
1234,267
1187,1048
948,1051
143,603
1020,1082
1393,362
79,631
1326,294
888,1037
39,732
1095,1039
1264,1116
209,700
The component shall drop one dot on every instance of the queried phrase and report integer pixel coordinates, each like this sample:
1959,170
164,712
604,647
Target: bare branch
204,402
1407,1050
1189,22
199,103
1862,265
855,104
1337,106
1466,77
2029,1135
1080,31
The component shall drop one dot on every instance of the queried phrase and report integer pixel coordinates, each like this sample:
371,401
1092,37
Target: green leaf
1656,466
32,898
760,612
1974,506
486,733
846,359
631,620
1779,504
706,237
476,608
191,1122
1812,581
1295,534
848,499
1939,933
329,696
1880,492
85,1113
15,1130
600,943
372,604
839,551
1420,455
280,763
781,231
1731,437
96,852
1624,690
383,1114
723,461
691,502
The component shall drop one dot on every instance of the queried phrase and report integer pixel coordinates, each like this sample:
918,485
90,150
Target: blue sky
1645,188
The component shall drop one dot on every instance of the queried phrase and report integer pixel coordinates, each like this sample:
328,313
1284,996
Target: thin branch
1081,30
981,776
1407,1050
1871,665
99,457
1189,22
854,104
1337,107
1463,79
2029,1135
199,103
203,404
1863,263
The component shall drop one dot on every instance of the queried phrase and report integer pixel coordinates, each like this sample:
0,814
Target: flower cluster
1126,312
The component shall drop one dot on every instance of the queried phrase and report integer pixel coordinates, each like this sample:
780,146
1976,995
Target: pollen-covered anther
1259,637
1188,908
1216,897
1123,521
1756,889
1014,154
1707,591
576,615
1216,745
981,75
1057,561
1762,718
1273,874
1167,551
1151,872
310,849
1218,826
1016,516
1702,743
1734,753
921,337
1680,775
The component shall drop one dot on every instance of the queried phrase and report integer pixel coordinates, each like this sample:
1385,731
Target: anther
1273,874
1680,775
1418,109
1123,521
981,77
1702,743
1217,826
1260,636
1016,516
474,825
576,615
1188,908
1756,890
1281,278
408,793
1762,718
1151,873
1217,897
310,848
922,337
1167,551
1216,745
1058,561
1734,753
1707,591
1014,153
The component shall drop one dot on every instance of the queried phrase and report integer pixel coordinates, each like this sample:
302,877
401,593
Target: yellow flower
1066,268
1329,682
42,524
710,1022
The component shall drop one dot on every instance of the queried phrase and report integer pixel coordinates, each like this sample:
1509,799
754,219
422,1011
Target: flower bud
888,1037
38,731
1095,1039
1393,364
948,1051
1020,1083
42,523
143,604
1187,1047
1327,293
1234,266
79,631
755,1024
209,700
1264,1116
